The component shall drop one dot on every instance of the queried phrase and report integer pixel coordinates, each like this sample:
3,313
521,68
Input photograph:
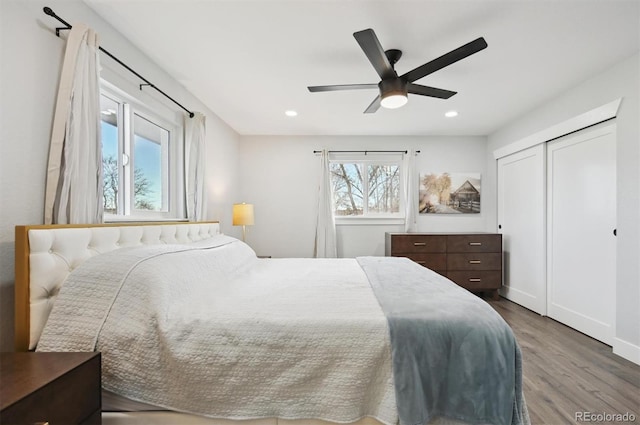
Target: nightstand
58,388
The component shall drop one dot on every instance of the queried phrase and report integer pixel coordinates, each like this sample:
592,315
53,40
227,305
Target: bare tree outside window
141,186
356,185
110,184
348,188
384,189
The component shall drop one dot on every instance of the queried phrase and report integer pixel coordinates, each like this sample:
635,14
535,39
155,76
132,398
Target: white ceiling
249,61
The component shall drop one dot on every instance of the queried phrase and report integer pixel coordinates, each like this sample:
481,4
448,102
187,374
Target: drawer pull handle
475,279
419,244
475,243
475,262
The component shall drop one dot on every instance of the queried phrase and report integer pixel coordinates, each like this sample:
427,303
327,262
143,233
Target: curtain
194,157
410,192
325,243
73,191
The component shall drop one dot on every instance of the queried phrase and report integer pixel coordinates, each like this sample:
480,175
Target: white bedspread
217,332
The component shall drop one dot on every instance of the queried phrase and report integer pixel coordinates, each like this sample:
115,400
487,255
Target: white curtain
73,192
195,163
325,244
410,192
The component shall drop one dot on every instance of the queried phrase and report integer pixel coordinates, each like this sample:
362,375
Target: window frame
128,108
371,159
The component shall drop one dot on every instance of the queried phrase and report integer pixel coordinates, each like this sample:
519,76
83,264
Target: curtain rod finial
48,11
191,115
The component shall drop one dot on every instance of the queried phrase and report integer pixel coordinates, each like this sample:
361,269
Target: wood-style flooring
566,372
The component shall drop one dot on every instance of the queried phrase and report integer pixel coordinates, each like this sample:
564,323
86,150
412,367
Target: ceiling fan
393,88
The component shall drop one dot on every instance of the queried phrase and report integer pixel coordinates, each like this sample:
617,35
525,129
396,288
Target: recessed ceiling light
290,113
451,114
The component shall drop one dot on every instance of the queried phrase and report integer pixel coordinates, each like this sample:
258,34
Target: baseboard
524,299
626,350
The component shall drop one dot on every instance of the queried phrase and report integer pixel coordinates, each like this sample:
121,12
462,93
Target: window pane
110,175
384,189
348,188
150,172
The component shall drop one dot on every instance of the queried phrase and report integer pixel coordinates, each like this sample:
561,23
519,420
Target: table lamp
243,216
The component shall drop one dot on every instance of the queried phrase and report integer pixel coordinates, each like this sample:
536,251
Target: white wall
620,81
280,177
31,61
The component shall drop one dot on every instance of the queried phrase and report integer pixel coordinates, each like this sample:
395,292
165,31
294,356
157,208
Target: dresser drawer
475,280
482,261
436,262
472,260
403,244
474,243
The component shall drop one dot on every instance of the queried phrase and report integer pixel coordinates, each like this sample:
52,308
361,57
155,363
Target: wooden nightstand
58,388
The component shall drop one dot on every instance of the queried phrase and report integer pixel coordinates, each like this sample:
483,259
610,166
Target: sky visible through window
147,156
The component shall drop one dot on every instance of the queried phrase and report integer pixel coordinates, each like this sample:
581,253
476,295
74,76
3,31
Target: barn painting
449,193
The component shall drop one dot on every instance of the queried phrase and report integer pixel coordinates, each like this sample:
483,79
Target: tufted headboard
46,254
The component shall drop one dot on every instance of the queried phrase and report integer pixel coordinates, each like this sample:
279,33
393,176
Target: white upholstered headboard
45,255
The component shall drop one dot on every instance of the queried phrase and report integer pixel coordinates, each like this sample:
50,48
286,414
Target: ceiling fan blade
429,91
375,105
445,60
314,89
371,46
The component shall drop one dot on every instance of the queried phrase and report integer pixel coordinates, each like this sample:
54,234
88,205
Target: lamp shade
243,214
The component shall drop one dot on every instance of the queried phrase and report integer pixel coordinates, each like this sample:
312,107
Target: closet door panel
521,220
581,251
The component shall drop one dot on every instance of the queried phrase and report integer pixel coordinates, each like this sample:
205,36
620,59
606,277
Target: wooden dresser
53,388
472,260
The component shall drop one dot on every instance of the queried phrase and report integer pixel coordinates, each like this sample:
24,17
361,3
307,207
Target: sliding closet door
521,220
581,251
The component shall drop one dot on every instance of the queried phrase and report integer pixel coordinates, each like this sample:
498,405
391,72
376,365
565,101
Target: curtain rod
48,11
365,152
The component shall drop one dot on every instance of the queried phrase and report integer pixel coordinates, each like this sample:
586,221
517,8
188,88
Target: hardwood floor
566,372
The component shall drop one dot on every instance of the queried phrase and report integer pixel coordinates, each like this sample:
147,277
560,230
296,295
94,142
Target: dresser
472,260
53,388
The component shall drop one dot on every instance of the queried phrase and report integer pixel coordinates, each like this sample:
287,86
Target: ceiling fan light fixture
393,93
393,100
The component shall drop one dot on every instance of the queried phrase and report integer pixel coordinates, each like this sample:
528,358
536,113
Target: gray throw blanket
453,355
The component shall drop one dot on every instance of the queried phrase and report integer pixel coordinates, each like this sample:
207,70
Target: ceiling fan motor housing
393,92
394,86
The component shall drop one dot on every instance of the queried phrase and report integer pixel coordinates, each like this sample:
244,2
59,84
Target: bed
194,328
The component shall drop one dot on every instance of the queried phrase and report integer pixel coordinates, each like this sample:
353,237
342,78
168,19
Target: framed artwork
449,193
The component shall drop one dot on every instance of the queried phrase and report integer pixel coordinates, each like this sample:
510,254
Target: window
368,187
140,161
